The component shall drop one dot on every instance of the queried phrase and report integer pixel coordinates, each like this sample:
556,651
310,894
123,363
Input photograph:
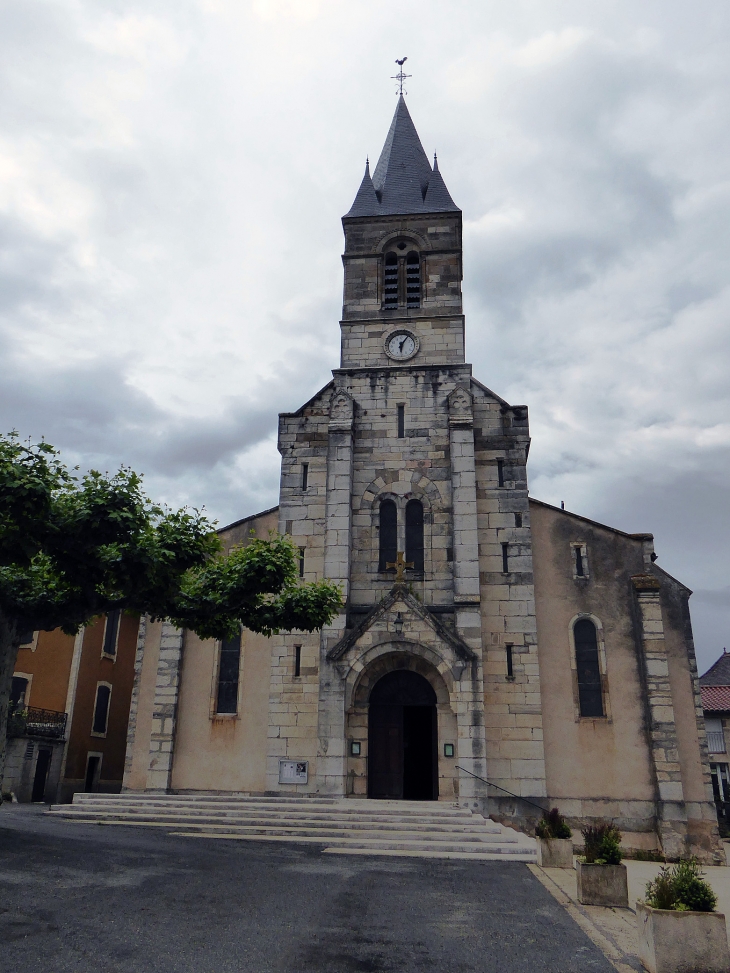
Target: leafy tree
72,548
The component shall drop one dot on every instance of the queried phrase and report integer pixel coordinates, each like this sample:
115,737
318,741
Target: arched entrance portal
402,738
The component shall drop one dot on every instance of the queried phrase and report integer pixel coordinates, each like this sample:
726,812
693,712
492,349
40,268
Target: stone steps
356,826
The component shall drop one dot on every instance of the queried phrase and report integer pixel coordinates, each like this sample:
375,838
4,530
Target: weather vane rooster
401,77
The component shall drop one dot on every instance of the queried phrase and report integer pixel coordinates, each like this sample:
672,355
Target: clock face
401,345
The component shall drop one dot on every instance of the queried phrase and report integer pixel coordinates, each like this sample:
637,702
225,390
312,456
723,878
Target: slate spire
366,202
403,181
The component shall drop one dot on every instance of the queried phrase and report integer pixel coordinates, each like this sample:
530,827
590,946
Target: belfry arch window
390,280
388,534
590,693
414,534
413,279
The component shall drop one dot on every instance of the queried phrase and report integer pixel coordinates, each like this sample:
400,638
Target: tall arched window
590,695
414,534
390,280
413,279
388,534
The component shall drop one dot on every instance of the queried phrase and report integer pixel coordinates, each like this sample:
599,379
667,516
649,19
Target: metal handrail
490,783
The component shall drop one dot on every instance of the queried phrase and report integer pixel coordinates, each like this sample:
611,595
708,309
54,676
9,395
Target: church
492,651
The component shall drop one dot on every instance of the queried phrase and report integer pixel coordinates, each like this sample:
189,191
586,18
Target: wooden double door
403,738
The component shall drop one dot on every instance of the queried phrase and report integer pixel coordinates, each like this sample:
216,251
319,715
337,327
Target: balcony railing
35,722
716,741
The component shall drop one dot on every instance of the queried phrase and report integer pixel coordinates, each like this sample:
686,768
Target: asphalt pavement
93,899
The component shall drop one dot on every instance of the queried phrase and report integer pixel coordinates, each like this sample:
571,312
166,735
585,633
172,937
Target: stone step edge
355,813
351,806
273,798
374,846
234,821
455,855
74,810
323,837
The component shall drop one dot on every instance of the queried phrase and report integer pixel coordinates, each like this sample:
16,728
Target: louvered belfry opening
390,289
413,279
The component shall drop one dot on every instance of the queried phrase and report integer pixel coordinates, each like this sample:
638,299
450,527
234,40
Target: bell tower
402,261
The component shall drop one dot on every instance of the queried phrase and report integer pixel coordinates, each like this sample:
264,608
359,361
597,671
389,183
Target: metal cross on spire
400,77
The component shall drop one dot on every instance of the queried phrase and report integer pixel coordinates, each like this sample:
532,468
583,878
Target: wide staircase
422,829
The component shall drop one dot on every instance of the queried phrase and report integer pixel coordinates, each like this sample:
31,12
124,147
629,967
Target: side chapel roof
404,181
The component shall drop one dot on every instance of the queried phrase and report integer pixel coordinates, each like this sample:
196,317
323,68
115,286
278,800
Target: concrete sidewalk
614,930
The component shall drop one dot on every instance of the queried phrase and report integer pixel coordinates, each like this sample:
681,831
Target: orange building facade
70,697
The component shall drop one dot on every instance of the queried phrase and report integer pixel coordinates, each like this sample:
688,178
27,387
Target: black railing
35,722
504,790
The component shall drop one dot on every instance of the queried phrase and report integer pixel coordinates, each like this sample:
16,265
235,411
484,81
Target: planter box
682,942
555,853
602,885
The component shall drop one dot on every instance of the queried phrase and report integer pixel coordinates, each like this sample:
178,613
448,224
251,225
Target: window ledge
223,717
100,736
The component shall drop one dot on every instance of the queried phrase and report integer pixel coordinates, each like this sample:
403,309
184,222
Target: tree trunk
9,635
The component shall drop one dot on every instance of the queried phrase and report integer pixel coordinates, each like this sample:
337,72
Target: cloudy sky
172,177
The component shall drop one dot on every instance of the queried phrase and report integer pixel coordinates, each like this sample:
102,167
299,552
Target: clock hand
402,343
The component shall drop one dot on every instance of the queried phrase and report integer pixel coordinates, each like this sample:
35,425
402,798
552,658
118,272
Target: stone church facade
518,655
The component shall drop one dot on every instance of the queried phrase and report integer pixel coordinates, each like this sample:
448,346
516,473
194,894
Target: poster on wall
293,771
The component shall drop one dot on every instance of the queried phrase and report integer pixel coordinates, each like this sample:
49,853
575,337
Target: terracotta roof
715,699
719,673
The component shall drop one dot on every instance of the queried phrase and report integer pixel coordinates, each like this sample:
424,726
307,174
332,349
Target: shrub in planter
601,877
554,841
678,929
681,888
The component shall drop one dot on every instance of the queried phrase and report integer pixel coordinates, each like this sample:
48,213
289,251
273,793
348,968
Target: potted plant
601,877
554,844
677,925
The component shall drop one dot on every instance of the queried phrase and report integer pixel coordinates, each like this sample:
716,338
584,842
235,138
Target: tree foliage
75,547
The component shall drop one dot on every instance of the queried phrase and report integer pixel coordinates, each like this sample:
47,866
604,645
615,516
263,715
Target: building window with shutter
588,668
101,709
229,666
111,634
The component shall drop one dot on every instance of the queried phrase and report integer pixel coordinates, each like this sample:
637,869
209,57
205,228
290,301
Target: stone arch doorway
403,738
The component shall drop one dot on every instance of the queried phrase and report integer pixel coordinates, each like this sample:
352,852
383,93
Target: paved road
91,899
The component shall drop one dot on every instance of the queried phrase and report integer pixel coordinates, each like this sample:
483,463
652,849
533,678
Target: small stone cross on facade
400,564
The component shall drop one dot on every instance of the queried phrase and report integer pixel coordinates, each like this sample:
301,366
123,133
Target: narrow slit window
390,280
413,279
297,660
518,520
414,534
401,422
590,693
111,632
505,558
579,569
388,535
305,475
228,673
500,472
510,668
101,708
301,561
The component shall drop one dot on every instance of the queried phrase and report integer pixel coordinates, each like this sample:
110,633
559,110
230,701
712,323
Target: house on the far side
715,693
69,710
